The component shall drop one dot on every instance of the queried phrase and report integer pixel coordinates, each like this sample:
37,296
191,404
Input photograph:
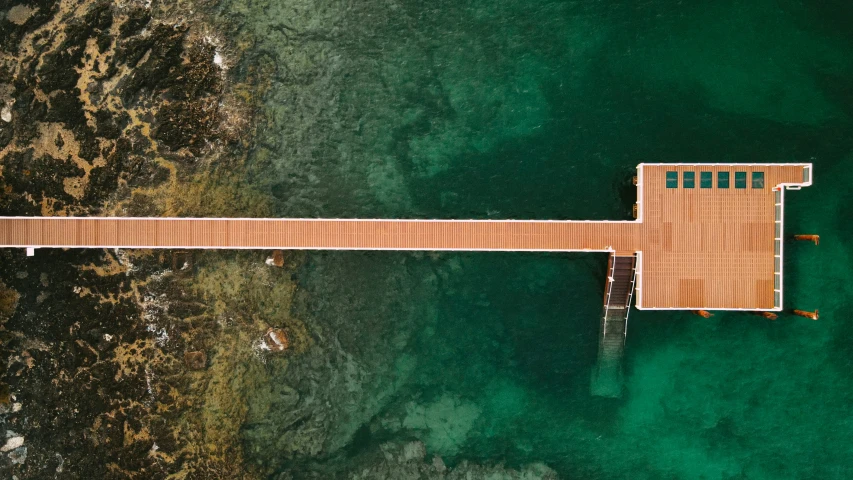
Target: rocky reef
103,102
114,108
176,364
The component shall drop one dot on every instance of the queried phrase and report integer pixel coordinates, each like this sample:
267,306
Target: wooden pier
702,246
706,237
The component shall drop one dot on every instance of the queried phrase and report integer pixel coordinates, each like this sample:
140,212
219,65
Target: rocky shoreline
129,364
114,108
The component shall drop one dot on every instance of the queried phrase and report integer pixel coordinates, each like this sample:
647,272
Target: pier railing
777,249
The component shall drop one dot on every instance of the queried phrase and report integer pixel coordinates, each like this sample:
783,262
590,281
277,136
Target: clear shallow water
516,110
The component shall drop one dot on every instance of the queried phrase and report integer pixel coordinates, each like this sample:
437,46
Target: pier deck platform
707,236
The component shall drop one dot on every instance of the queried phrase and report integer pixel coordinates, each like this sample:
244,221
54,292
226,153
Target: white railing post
778,246
630,294
610,279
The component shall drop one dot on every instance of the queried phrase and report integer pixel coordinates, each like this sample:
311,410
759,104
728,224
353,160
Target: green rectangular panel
706,180
689,179
722,179
757,179
671,179
740,179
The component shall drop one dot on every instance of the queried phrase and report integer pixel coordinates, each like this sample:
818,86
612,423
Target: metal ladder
619,289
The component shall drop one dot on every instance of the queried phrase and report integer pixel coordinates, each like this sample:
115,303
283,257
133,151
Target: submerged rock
12,443
414,451
8,302
19,14
438,464
443,423
395,461
18,456
195,360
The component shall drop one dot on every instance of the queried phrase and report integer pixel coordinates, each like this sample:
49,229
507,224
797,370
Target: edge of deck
808,175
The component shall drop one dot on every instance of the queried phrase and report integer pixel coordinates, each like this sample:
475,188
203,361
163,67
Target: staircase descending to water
607,374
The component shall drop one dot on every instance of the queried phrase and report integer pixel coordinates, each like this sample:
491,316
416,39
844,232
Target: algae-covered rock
100,99
195,360
113,108
8,302
443,423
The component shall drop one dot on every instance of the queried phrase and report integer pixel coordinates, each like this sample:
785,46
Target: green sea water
510,109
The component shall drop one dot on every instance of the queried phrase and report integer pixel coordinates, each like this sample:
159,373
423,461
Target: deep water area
414,365
507,109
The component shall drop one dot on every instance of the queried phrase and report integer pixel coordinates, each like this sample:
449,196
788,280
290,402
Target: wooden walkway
319,234
699,245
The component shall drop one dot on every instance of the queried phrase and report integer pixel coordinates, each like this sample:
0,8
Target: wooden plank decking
319,234
700,248
712,248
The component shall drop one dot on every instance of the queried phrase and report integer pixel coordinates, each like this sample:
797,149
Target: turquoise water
510,109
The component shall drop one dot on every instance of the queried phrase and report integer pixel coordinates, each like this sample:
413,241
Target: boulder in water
276,340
